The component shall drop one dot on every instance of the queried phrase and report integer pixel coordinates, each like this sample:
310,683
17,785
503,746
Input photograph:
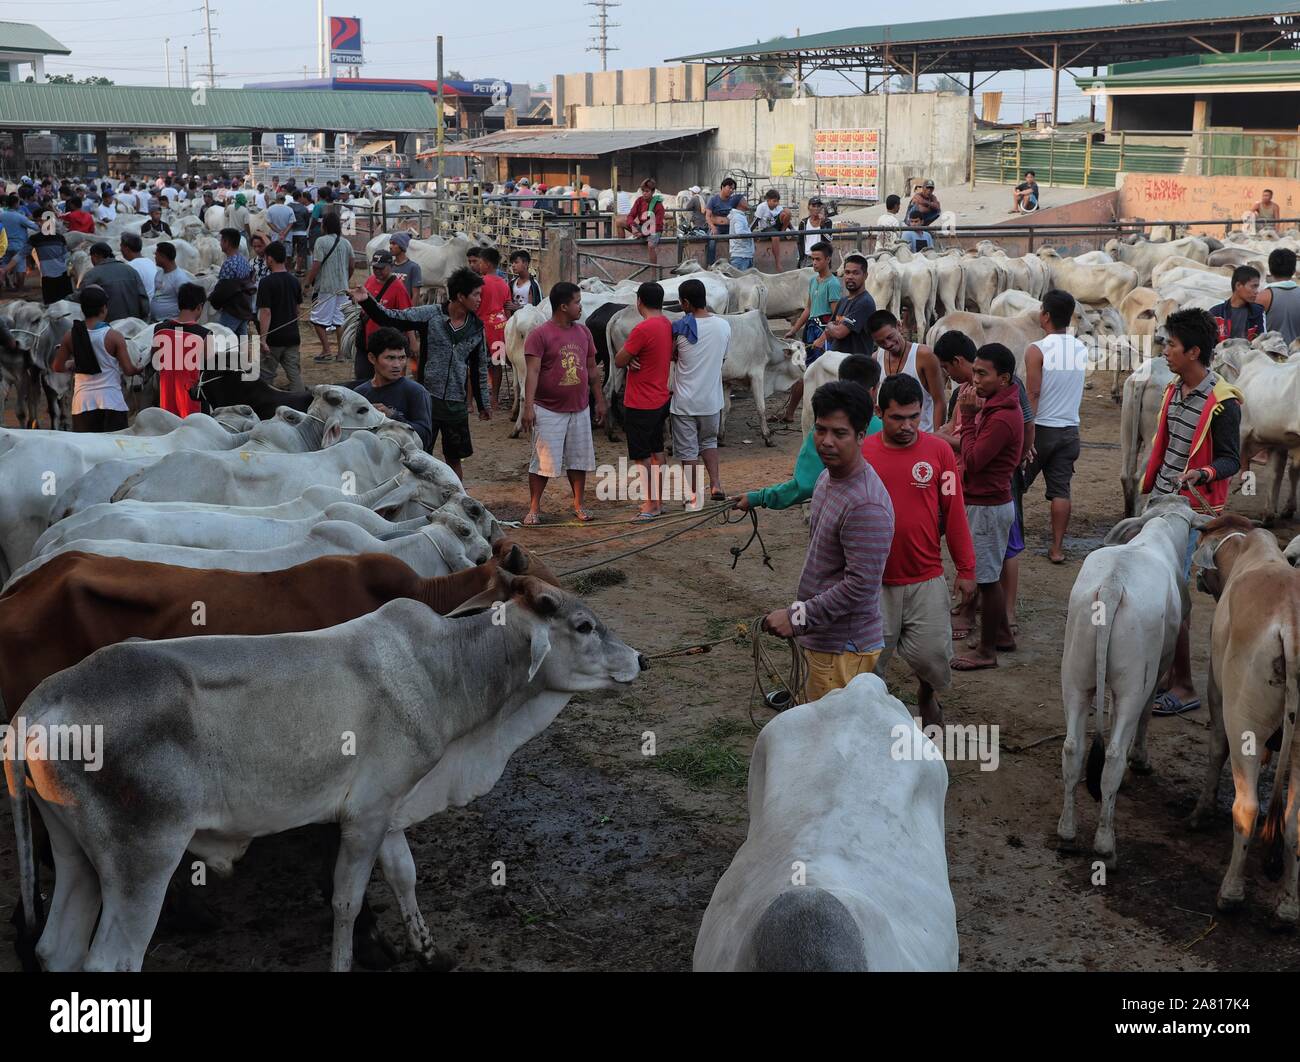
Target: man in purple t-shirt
837,617
561,359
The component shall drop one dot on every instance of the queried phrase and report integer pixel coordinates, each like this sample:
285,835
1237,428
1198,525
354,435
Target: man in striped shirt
837,616
1197,451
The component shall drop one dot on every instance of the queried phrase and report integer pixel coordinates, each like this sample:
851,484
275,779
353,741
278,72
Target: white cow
843,867
1120,632
449,543
359,463
184,778
1143,395
1144,256
1107,283
1270,413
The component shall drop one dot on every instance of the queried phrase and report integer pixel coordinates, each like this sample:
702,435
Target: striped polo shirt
852,528
1182,416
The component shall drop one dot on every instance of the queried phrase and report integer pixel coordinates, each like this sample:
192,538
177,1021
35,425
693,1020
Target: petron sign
345,41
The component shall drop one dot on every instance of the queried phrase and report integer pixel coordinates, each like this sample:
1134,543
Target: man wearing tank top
1281,299
916,360
1054,372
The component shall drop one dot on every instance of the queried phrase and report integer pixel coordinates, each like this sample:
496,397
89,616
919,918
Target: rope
639,529
792,681
704,518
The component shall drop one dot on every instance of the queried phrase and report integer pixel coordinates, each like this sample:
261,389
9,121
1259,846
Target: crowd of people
910,446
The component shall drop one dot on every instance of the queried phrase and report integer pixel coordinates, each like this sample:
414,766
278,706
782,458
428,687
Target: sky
255,40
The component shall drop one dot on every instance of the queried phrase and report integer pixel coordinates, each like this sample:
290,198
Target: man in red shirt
180,352
492,312
920,473
990,452
76,219
387,289
645,220
647,355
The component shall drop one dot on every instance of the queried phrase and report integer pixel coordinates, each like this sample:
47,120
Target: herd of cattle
299,619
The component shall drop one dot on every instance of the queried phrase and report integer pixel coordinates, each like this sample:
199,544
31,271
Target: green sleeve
807,468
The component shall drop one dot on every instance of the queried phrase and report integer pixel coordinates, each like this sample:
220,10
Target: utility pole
167,59
321,43
185,64
602,26
207,29
441,123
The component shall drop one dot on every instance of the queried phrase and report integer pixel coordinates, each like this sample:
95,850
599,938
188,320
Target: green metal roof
1110,16
1209,70
119,107
24,37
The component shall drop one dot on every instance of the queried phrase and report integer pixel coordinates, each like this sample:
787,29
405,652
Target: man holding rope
836,617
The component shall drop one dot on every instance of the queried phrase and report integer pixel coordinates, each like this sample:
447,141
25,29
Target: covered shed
604,158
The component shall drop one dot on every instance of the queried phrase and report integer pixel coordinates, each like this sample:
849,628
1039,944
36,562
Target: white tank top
909,369
1065,363
103,390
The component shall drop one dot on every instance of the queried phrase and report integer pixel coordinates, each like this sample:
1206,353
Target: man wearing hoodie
990,452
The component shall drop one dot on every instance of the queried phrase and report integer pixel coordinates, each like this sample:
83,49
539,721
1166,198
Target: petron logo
922,473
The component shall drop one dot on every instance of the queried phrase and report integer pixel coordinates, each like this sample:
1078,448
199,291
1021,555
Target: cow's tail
1273,834
20,806
1109,595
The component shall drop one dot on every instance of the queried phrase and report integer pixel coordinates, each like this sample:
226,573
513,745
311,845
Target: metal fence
1077,159
1090,159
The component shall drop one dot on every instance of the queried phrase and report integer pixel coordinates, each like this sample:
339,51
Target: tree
68,79
948,83
455,75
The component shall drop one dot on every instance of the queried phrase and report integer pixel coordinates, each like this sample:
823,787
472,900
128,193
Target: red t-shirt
491,311
395,298
180,349
652,342
79,221
925,487
562,374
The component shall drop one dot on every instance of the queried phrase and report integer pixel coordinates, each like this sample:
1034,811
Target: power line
601,26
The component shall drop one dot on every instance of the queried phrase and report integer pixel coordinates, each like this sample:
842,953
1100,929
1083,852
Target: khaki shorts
917,624
834,671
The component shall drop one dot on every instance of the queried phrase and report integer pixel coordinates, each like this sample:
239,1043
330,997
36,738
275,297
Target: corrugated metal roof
90,107
24,37
570,143
1020,24
1242,68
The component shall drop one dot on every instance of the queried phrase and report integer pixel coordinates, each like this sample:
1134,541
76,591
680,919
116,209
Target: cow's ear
542,599
540,645
1123,531
1204,555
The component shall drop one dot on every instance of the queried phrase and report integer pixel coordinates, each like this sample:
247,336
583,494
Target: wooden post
1121,150
1092,104
1087,158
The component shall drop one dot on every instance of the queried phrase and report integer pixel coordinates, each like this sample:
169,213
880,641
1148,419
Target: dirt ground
610,857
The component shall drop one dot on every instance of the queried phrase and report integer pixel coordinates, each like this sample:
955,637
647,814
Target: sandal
1167,704
645,518
531,520
582,516
717,496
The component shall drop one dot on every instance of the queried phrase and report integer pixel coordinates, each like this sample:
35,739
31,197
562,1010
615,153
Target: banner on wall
782,160
847,163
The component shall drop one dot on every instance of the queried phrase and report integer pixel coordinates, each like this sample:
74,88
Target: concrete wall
1174,197
608,88
924,135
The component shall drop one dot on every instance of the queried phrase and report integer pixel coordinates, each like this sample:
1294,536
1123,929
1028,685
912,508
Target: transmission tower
601,26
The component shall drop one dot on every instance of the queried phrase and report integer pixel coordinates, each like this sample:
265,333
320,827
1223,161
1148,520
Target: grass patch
598,579
709,759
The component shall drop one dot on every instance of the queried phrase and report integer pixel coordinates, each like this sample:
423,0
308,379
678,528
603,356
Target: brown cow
80,602
1251,689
